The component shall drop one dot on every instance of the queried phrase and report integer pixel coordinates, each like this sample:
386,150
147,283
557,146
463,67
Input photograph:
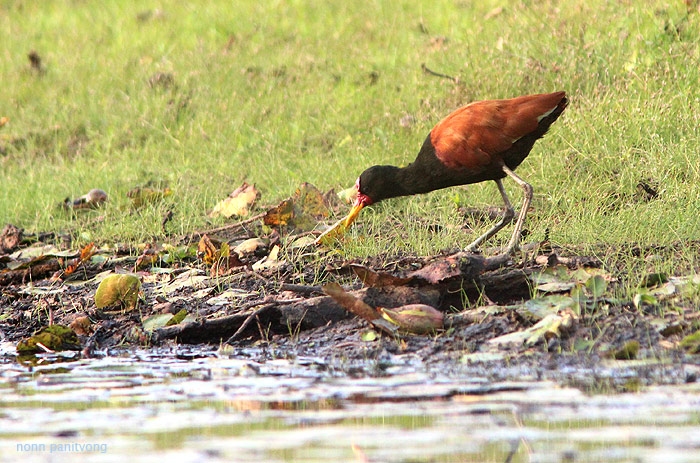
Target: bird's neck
414,180
426,173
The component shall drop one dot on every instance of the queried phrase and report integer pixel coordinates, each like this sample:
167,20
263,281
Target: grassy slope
284,92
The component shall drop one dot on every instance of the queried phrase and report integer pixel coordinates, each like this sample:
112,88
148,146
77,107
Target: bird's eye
357,184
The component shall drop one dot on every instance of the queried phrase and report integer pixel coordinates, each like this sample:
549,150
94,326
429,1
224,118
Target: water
149,406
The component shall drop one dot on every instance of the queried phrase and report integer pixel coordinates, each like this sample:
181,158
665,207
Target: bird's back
479,137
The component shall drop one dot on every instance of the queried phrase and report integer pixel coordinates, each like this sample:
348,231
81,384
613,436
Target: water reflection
148,406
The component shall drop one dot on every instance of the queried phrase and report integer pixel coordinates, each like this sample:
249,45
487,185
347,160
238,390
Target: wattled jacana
485,140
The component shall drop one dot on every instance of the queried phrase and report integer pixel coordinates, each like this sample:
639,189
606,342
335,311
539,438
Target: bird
484,140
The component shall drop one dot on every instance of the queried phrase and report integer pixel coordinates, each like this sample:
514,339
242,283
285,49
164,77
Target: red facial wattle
361,201
361,197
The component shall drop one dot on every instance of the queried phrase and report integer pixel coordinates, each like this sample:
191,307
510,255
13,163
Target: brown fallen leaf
86,254
148,257
280,215
311,201
357,306
551,326
208,249
218,255
270,261
302,211
250,246
238,203
10,238
81,326
226,263
376,279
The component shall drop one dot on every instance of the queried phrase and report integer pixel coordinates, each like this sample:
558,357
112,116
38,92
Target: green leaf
177,318
118,290
691,343
653,279
156,321
369,336
53,338
538,308
578,294
627,352
597,286
643,298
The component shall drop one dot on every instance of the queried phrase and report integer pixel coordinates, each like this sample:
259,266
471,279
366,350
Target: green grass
278,93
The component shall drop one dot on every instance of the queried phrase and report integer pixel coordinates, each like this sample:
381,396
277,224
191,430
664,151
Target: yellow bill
340,227
352,215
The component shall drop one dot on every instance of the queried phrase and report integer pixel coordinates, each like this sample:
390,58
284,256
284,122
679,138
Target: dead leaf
269,261
551,326
280,215
148,257
86,254
208,250
311,201
81,326
238,203
538,308
414,318
10,238
225,262
154,322
302,211
93,199
375,279
249,246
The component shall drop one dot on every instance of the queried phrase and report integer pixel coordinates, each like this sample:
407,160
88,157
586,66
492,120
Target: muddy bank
545,314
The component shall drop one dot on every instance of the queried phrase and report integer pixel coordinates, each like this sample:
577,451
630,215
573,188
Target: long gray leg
505,220
508,214
527,188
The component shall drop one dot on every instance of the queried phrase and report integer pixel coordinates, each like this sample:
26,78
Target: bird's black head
378,183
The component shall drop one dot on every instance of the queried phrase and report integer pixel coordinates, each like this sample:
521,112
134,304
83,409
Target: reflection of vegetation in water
289,413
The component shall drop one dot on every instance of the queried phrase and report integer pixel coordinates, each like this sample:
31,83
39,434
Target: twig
232,226
437,74
302,289
250,318
166,218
